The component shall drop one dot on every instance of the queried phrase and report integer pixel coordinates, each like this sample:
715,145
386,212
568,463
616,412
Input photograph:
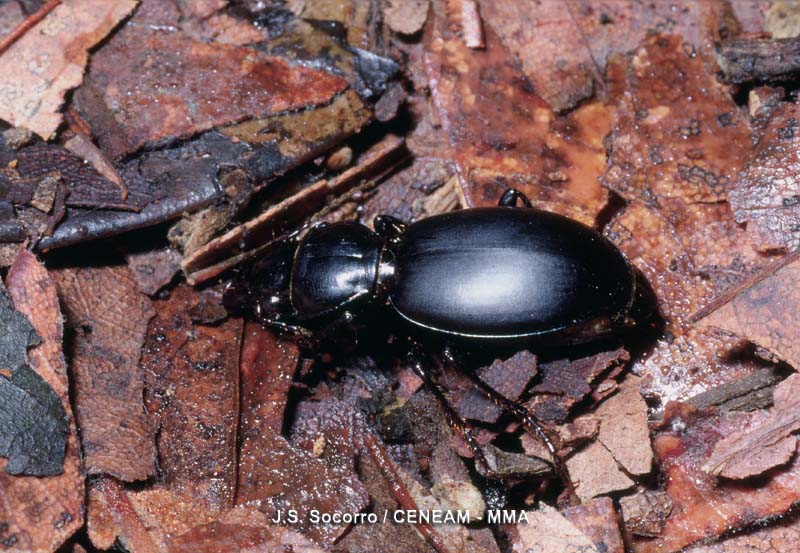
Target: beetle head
261,288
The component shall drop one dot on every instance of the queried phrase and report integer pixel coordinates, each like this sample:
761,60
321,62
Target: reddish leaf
109,318
49,60
40,514
191,377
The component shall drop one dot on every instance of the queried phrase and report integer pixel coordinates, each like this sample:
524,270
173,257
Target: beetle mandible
508,276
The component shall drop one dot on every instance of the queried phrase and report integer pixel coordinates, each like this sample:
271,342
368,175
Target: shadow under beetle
503,277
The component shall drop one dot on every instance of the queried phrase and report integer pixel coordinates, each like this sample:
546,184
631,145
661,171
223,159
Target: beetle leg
454,420
529,422
510,197
390,228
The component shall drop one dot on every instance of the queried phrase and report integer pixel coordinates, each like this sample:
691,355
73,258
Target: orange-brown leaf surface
191,377
40,514
40,67
109,317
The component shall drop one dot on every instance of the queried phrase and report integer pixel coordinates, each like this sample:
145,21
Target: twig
26,25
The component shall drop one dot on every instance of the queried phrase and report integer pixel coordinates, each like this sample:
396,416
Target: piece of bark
623,428
766,195
191,375
746,60
597,519
763,442
595,472
762,310
40,514
645,513
502,134
49,60
704,508
174,92
226,250
747,393
109,317
548,531
406,16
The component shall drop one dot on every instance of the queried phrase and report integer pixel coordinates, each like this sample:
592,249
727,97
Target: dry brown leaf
548,531
156,520
767,193
703,507
503,134
598,520
39,68
406,16
763,442
109,318
191,377
623,427
39,514
595,472
764,312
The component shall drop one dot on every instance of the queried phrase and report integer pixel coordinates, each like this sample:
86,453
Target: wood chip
765,442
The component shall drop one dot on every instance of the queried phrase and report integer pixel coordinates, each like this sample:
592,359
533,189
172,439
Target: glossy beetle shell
334,265
508,273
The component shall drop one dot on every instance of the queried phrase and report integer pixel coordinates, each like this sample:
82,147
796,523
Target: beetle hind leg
531,425
454,420
510,198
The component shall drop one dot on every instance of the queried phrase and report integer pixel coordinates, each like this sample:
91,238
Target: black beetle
506,276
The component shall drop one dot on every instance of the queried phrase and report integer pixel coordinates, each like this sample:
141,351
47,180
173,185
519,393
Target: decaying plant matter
149,147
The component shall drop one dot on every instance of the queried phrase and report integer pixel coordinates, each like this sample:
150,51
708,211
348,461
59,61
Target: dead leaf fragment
548,531
595,472
646,512
767,193
764,312
191,374
49,60
764,442
160,85
109,318
406,16
703,507
502,134
598,520
623,428
40,514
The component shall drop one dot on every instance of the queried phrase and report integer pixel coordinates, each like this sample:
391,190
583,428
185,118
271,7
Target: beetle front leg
454,420
510,197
